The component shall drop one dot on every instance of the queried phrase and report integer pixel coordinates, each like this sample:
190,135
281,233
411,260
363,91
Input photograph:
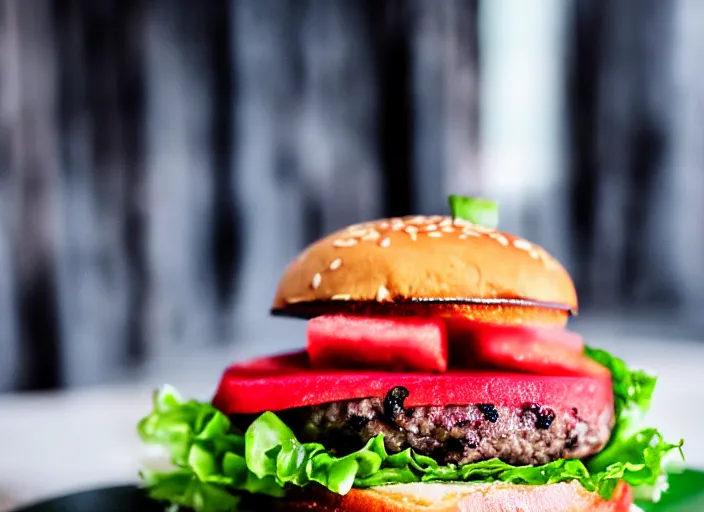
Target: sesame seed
384,225
448,229
469,232
519,243
341,296
499,238
336,263
430,227
462,222
317,278
382,293
344,242
357,232
446,222
371,235
462,236
418,219
435,234
412,231
534,254
385,242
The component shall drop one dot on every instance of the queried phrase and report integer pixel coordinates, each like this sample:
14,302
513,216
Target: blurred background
162,161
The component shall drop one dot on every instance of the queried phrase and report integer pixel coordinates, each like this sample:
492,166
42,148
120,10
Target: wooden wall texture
161,161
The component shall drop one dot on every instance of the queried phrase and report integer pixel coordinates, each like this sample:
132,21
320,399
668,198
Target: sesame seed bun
503,313
427,263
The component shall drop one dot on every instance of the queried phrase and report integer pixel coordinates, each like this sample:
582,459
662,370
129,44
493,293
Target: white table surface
54,443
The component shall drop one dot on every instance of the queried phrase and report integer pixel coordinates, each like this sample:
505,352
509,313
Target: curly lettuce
213,466
633,389
632,450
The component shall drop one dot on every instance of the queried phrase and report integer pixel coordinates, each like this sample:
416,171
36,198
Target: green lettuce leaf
213,465
633,454
633,389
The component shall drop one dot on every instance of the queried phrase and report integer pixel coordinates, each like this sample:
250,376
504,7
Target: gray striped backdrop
161,161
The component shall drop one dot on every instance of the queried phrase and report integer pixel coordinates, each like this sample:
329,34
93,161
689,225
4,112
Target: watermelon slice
541,351
396,344
460,328
268,385
530,357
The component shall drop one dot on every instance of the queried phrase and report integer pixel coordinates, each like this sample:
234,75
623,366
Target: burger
438,374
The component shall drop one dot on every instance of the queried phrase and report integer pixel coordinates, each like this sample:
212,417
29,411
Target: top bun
425,258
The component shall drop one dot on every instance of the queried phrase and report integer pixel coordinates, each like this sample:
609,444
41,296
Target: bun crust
507,314
438,497
400,259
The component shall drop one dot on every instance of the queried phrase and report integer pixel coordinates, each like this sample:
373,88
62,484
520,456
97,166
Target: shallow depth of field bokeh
163,161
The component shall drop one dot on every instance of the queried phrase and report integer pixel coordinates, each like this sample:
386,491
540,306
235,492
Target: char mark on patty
461,434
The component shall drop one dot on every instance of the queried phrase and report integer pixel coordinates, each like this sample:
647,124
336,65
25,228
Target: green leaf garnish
684,494
633,389
477,210
215,465
633,454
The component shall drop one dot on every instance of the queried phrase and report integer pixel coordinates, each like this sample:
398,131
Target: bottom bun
439,497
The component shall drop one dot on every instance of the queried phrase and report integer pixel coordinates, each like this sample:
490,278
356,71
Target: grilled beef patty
531,434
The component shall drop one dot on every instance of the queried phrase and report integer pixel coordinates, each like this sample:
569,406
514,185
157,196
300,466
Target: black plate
110,499
686,495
